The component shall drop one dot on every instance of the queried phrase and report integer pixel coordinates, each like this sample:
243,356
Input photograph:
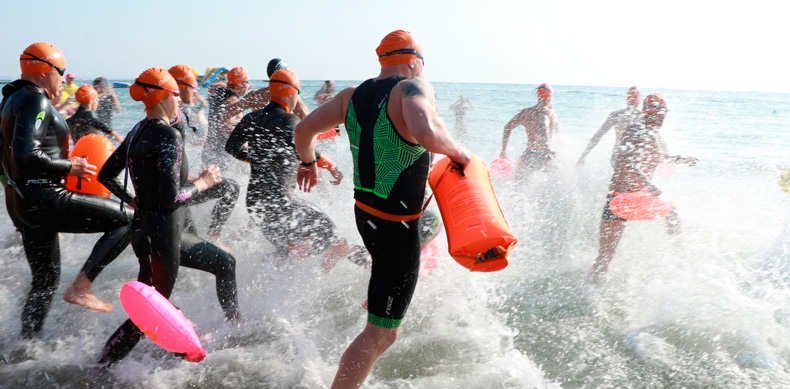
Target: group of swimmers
393,128
638,150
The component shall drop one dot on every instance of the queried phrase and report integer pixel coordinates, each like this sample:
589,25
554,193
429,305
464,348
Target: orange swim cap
284,83
40,58
237,75
85,94
398,47
544,91
654,103
152,86
633,95
184,75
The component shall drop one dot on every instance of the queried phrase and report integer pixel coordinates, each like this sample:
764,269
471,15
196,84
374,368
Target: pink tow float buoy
639,206
500,167
667,169
160,321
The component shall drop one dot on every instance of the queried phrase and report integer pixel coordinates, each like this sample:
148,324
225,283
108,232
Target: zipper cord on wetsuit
131,137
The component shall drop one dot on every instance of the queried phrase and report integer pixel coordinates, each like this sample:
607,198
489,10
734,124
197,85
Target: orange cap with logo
85,94
237,75
152,86
633,95
654,103
40,58
398,47
544,91
284,83
184,75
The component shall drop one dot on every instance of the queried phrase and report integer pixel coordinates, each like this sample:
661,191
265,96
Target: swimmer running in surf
393,127
619,120
154,157
264,138
225,191
541,124
35,162
635,163
85,121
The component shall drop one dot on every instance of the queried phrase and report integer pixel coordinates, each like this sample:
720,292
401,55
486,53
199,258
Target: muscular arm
418,109
513,123
327,116
607,125
32,123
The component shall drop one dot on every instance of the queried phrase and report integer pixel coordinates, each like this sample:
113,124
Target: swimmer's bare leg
611,231
80,293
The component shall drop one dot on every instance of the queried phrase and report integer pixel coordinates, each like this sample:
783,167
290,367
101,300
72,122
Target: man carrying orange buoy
540,121
393,126
635,164
35,161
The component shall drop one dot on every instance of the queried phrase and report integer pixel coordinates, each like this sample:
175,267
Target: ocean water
709,308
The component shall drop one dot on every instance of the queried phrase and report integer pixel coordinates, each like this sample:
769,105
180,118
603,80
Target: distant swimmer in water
635,163
459,108
618,120
108,101
227,190
326,93
85,121
393,128
153,155
264,138
35,162
541,124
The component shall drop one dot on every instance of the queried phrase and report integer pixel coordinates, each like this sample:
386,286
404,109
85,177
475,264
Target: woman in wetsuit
35,162
85,121
107,101
288,222
153,154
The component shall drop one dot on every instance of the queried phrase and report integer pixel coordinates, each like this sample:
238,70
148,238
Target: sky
722,45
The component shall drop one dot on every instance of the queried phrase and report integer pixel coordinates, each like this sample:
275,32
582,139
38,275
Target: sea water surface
708,308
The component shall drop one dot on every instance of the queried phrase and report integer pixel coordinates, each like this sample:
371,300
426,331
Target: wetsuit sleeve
110,173
97,124
235,144
32,122
168,160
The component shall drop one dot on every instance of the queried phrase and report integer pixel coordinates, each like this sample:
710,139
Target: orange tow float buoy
96,149
639,206
478,236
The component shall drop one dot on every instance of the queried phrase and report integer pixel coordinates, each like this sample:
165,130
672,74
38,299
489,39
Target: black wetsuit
389,176
285,219
85,122
214,152
158,169
227,192
34,158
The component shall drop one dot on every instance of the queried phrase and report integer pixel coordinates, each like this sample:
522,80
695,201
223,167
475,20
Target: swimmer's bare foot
80,293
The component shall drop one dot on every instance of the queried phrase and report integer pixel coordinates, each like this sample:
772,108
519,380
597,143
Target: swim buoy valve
478,237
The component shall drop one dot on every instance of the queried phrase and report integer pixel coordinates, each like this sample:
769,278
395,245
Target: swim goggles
298,91
656,108
193,86
404,51
152,86
61,71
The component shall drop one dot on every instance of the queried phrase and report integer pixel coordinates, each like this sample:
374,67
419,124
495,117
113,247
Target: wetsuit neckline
19,84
